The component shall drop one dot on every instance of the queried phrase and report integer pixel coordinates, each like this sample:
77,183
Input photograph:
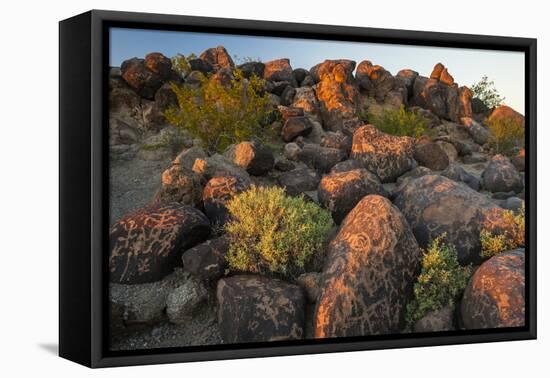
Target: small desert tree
485,91
219,114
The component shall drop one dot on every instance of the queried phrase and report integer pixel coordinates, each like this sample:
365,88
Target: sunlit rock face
441,95
495,295
278,70
336,91
340,192
504,112
217,192
146,245
379,83
434,205
257,308
385,155
369,272
218,58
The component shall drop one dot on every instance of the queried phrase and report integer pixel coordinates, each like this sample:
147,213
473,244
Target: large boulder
146,245
217,192
218,58
407,78
336,140
340,192
495,295
519,160
336,92
252,68
436,321
256,158
144,81
381,82
478,132
295,127
340,70
320,158
180,184
278,70
369,273
385,155
256,309
299,181
501,176
434,205
504,112
306,100
159,64
207,260
429,154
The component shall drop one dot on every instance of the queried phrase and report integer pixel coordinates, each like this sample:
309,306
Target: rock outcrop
217,192
256,308
434,205
369,271
495,295
340,192
146,245
501,176
385,155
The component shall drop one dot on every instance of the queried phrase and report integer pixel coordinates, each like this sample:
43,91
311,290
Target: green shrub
506,134
273,233
485,91
180,63
512,238
219,115
400,122
441,281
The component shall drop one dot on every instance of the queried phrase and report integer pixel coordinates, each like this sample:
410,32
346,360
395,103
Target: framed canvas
235,188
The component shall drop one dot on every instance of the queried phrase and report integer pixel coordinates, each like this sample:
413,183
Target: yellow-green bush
506,134
273,233
513,236
400,122
441,281
221,115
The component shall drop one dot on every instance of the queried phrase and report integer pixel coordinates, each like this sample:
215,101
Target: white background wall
29,189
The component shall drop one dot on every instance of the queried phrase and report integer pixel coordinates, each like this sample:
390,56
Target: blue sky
467,66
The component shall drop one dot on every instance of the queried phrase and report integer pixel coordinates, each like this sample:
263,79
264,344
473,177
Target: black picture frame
83,181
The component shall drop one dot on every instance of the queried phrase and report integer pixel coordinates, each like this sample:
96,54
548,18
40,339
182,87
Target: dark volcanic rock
218,58
146,245
381,81
385,155
457,173
430,155
287,97
519,160
255,308
296,126
158,63
479,134
278,70
434,205
180,184
299,180
200,65
217,192
300,74
369,272
289,112
256,158
340,192
336,140
207,260
144,81
305,99
501,176
495,295
320,158
252,68
336,92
